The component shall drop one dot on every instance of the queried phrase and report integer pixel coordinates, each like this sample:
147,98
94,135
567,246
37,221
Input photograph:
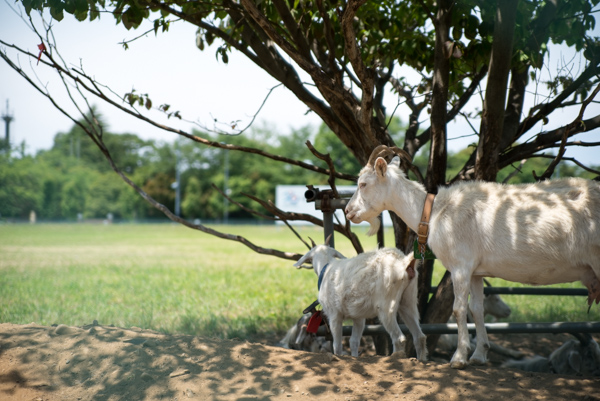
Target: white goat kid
378,283
543,233
575,357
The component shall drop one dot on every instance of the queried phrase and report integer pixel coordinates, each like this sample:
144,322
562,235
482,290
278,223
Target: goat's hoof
399,354
477,361
458,364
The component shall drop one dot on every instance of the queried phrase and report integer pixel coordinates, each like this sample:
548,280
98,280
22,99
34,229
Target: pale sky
171,69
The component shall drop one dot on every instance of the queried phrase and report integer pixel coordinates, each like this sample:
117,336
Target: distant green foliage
73,177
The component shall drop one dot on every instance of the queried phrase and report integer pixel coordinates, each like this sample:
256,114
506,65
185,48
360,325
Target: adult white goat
380,283
493,305
542,233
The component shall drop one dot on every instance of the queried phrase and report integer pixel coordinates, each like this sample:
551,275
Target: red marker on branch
42,48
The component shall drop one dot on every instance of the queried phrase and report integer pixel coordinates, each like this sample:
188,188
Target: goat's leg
479,357
461,295
590,280
389,322
411,320
335,324
357,329
409,312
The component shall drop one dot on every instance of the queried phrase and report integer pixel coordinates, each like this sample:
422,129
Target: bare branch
545,140
92,87
251,120
329,38
243,207
576,123
424,137
516,171
365,74
572,160
327,159
344,229
292,26
547,108
283,215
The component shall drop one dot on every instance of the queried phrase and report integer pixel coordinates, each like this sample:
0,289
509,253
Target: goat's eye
362,185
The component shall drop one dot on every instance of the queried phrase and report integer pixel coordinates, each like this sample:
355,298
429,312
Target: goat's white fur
574,357
543,233
368,285
494,306
298,338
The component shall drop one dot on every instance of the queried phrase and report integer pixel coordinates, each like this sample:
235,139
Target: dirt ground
98,362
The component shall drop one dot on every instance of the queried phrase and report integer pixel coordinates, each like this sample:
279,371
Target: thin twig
567,130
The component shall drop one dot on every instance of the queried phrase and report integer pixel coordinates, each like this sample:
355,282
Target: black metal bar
333,204
328,228
491,328
531,291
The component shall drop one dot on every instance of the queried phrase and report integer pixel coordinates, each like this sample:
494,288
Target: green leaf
126,23
81,15
456,33
57,13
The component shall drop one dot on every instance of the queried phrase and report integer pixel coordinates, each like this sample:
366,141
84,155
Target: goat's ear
380,166
338,255
303,259
395,161
575,361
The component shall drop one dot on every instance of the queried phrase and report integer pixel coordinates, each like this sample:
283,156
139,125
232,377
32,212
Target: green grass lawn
159,276
173,279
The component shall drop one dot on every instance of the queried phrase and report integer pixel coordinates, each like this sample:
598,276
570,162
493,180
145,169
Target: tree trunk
492,120
436,169
514,106
439,309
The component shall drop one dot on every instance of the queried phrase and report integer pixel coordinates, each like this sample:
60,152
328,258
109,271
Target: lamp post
7,120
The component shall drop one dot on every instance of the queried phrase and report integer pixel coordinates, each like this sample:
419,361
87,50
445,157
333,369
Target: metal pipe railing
531,291
492,328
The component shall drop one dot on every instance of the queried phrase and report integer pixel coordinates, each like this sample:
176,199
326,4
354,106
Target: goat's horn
408,165
328,239
403,154
312,242
584,338
379,151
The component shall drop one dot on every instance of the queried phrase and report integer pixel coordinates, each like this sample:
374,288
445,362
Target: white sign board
290,198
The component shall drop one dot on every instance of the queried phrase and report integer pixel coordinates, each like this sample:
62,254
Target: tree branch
425,136
578,121
80,78
293,28
549,107
546,140
365,74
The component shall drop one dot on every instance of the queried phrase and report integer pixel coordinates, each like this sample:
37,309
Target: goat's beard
375,224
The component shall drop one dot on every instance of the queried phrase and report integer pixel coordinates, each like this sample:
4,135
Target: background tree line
73,178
